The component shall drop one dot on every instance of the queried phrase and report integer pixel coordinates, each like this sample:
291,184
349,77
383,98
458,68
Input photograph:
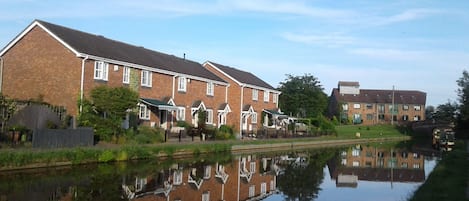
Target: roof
95,45
243,76
347,83
158,103
383,96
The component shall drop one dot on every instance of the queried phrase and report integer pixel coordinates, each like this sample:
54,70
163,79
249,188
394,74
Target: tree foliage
106,110
302,96
446,112
463,93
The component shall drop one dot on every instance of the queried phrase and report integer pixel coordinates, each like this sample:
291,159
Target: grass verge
448,181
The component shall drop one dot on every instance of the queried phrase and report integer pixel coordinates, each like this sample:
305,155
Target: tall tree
446,112
302,96
463,93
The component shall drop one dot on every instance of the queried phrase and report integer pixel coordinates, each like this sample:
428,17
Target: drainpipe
82,81
174,86
226,93
1,74
241,112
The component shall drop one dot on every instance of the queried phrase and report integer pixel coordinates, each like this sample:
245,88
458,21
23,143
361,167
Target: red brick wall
39,66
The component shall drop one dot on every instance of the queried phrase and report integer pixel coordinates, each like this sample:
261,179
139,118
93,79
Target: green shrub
106,156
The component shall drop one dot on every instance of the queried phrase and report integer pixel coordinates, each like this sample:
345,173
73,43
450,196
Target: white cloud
389,54
407,15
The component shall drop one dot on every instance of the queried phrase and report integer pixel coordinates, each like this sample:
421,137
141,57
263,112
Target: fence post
180,135
166,132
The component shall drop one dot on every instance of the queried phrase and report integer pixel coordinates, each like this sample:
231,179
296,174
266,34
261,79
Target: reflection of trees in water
302,182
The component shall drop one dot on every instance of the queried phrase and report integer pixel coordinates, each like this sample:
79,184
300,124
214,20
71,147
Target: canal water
359,172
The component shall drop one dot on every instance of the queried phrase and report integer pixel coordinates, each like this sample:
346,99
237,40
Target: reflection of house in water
247,178
375,164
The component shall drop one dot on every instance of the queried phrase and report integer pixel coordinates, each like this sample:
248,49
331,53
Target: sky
409,45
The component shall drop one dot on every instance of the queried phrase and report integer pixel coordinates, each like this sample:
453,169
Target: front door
163,119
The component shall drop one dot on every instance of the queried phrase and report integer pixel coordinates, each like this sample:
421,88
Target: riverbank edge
185,151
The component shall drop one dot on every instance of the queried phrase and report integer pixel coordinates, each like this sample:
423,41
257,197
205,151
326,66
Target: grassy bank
32,158
448,181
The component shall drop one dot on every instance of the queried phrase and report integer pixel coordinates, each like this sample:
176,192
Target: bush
106,156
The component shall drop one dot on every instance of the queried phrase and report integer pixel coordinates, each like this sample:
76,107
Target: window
381,108
126,75
182,84
345,107
209,119
369,106
417,107
405,117
404,165
254,118
177,177
146,78
356,106
369,116
275,98
266,96
181,114
144,112
381,116
392,109
343,161
206,196
416,118
368,164
252,191
101,70
252,167
415,155
263,188
207,171
140,183
356,152
405,107
272,186
356,164
255,94
210,88
416,166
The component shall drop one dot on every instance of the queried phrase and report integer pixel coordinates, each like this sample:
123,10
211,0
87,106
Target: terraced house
61,65
371,106
254,101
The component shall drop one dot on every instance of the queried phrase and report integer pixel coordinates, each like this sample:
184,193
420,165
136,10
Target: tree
302,96
463,93
106,110
446,112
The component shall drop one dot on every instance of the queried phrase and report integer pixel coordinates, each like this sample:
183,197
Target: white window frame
266,96
181,114
209,119
345,107
252,191
356,106
274,98
272,185
254,118
206,196
356,163
416,166
210,88
255,94
263,188
146,78
207,172
144,112
101,70
126,75
182,84
252,166
177,177
417,107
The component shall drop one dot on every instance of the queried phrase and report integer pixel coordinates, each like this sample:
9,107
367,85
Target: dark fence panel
63,138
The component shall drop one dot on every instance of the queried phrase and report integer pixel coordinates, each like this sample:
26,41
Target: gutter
82,81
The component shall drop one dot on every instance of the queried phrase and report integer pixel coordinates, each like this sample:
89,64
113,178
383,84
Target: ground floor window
144,112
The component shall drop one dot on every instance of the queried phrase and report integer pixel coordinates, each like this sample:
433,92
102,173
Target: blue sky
412,45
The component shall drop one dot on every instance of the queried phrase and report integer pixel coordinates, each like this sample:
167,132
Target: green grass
350,131
448,181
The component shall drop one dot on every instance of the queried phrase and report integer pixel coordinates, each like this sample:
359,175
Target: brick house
60,66
369,106
249,97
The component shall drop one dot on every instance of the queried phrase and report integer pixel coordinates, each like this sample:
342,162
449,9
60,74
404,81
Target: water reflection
318,174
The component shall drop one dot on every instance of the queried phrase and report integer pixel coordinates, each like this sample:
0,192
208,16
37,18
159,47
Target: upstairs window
266,96
345,107
210,88
126,75
182,84
146,78
101,70
255,94
275,98
417,107
405,107
356,106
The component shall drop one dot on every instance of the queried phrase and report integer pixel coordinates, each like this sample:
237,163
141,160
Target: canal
360,172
